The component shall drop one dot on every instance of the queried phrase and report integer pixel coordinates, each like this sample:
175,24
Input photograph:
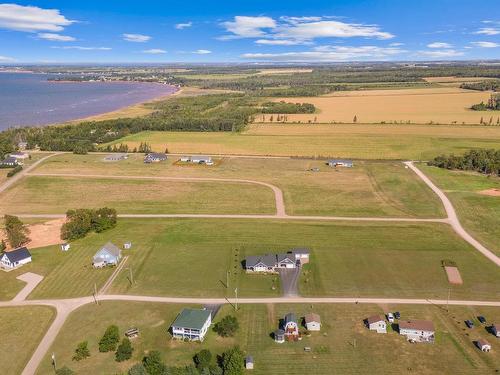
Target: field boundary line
113,276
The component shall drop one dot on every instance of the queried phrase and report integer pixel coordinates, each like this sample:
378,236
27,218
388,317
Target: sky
173,31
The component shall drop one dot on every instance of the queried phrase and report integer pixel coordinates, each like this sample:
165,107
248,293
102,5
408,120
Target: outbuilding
15,258
279,336
127,245
65,246
483,345
249,362
376,323
207,160
313,322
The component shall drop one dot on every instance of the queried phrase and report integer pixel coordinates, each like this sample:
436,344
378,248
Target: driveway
290,281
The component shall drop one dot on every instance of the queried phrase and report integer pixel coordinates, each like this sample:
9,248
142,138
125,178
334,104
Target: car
469,323
390,317
397,315
481,319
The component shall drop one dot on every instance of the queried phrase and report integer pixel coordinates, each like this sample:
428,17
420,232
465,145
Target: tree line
493,104
493,85
482,161
287,108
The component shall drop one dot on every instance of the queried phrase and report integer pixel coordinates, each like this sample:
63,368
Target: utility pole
227,279
448,300
131,276
54,362
236,299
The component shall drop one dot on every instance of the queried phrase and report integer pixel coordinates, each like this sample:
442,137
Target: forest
287,108
482,161
493,85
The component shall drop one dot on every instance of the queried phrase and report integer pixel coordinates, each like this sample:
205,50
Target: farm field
38,194
478,212
418,142
418,106
21,330
368,189
344,343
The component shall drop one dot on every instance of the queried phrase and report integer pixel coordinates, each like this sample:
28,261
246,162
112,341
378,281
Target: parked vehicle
481,319
390,317
469,323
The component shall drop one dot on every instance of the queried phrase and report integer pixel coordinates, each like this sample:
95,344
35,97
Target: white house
15,258
483,345
495,329
340,163
286,260
313,322
108,255
376,323
417,330
272,262
207,160
291,327
192,324
65,246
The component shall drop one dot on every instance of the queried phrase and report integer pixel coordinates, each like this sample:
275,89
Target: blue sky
246,31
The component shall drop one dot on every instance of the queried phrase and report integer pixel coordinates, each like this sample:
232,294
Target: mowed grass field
344,345
368,189
21,329
359,141
439,105
479,213
39,194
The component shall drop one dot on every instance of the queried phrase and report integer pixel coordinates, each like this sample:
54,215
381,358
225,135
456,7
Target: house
291,327
108,255
313,322
19,155
185,159
116,157
207,160
155,157
279,336
191,324
483,345
376,323
340,163
65,246
249,362
261,263
417,330
22,145
9,162
286,260
15,258
272,262
127,245
495,329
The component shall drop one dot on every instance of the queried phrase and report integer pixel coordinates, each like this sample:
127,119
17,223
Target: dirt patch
44,234
453,274
491,192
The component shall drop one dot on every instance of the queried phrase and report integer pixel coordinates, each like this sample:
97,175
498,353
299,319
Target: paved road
452,216
32,280
289,281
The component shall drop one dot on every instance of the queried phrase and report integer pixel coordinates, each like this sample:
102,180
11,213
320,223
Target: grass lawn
419,142
344,343
371,188
479,213
21,330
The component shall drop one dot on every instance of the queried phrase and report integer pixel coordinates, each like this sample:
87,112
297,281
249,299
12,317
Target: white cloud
31,18
396,44
182,26
488,31
136,38
330,54
202,52
486,44
247,27
439,45
442,53
6,59
155,51
277,42
81,48
56,37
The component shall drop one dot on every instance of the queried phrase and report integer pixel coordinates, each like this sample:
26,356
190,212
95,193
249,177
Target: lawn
371,188
21,330
419,142
344,343
55,195
478,213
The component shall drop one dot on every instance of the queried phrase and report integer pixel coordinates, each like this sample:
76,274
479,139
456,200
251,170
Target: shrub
64,371
81,351
17,233
109,340
227,327
15,170
153,363
124,351
202,359
232,361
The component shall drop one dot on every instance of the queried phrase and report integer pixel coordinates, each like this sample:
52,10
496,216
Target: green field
21,330
369,189
344,345
478,213
55,195
419,142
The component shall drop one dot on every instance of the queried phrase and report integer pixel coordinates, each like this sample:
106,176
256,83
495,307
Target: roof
201,157
279,332
301,250
111,249
374,319
191,318
483,342
9,160
269,260
312,317
17,254
418,325
248,359
286,256
156,155
345,161
290,317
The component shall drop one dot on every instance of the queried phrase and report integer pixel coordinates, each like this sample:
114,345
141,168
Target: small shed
279,336
127,245
313,322
495,329
65,246
376,323
483,345
249,362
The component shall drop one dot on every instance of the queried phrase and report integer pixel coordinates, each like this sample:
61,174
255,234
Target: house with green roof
191,324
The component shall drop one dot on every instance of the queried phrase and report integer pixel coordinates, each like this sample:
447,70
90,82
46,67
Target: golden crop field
440,105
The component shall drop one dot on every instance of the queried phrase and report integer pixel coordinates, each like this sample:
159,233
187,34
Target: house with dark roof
191,324
272,262
155,157
15,258
108,255
376,323
9,162
417,330
261,263
340,163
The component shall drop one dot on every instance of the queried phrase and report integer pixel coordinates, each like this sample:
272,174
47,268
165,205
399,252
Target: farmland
419,142
344,343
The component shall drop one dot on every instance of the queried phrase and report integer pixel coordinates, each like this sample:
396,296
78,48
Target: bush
64,371
81,351
227,327
17,233
109,340
202,359
124,351
232,361
154,364
15,170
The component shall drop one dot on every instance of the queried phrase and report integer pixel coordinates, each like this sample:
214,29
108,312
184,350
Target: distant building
155,157
279,336
65,246
249,362
340,163
291,327
10,260
108,255
313,322
376,323
19,155
191,324
417,330
116,157
207,160
127,245
483,345
272,262
22,145
9,162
